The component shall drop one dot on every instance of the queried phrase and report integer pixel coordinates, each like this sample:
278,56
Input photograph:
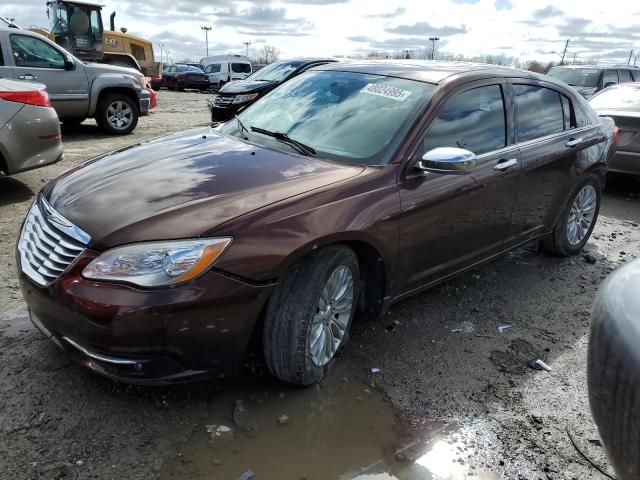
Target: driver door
451,222
39,61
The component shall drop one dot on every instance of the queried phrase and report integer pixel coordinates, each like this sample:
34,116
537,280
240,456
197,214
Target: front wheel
116,114
308,318
577,220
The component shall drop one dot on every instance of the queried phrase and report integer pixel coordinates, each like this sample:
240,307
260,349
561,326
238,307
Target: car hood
181,186
246,86
106,68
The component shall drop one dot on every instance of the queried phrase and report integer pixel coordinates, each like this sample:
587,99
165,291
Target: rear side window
567,111
539,112
1,57
241,67
610,76
473,120
625,76
635,75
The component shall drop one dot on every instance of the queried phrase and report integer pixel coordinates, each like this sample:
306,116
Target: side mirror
448,160
69,64
609,84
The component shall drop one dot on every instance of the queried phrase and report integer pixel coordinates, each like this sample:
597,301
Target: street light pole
161,57
630,55
246,46
433,46
564,52
206,29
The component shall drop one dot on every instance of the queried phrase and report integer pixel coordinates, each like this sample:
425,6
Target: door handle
505,164
27,76
574,142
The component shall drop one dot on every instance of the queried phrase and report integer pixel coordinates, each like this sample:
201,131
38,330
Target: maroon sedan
344,190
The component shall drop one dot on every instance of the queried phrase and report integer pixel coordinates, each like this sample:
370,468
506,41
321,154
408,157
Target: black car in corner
235,95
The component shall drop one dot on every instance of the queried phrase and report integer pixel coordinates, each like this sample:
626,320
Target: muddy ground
455,397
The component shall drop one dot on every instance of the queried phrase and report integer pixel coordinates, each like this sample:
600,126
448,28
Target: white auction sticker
393,93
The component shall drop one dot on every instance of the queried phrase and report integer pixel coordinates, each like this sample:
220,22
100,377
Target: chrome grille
48,243
224,100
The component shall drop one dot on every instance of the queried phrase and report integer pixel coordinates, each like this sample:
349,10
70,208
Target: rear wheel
577,220
116,114
309,316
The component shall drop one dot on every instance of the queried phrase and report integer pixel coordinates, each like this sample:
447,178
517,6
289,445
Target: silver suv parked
115,96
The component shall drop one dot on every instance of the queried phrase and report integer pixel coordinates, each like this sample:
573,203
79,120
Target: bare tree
268,54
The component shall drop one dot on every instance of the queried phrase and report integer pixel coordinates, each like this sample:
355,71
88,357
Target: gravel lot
440,353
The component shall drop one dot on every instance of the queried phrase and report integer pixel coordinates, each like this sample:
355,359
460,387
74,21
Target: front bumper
222,114
144,100
625,162
198,330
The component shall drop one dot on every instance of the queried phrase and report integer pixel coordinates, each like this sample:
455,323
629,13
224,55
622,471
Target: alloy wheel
331,319
119,115
582,214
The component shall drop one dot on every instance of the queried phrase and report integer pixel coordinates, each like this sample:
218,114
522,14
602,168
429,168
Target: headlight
244,98
158,263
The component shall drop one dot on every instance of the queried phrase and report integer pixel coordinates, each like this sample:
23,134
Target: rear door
624,76
38,60
551,144
450,222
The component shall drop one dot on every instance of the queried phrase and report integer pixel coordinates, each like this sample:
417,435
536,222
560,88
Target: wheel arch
373,267
121,90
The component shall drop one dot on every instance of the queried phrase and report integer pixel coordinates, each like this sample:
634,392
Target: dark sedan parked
181,76
236,95
622,103
348,188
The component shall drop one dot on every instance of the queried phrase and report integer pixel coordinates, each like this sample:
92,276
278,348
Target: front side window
241,67
33,52
610,76
539,112
473,120
344,116
214,68
625,76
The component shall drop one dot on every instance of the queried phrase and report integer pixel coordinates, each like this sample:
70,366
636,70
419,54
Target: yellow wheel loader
77,26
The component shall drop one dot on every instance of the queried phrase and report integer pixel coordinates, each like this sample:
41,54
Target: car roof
597,67
429,71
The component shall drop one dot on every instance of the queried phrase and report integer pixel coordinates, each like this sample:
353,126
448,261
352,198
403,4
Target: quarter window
539,112
33,52
625,76
610,76
473,120
569,117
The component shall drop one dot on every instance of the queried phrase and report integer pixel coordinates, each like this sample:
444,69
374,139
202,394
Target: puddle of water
344,430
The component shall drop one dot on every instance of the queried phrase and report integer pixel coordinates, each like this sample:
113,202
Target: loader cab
77,27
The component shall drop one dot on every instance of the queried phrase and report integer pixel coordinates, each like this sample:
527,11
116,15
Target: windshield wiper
284,138
241,125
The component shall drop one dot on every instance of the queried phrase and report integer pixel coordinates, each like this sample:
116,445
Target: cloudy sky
527,29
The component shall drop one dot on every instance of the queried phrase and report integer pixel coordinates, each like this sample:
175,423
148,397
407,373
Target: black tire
291,309
102,113
558,242
613,368
221,84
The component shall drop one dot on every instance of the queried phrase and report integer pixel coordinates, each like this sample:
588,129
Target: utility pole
246,46
566,45
630,55
574,58
206,29
433,46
